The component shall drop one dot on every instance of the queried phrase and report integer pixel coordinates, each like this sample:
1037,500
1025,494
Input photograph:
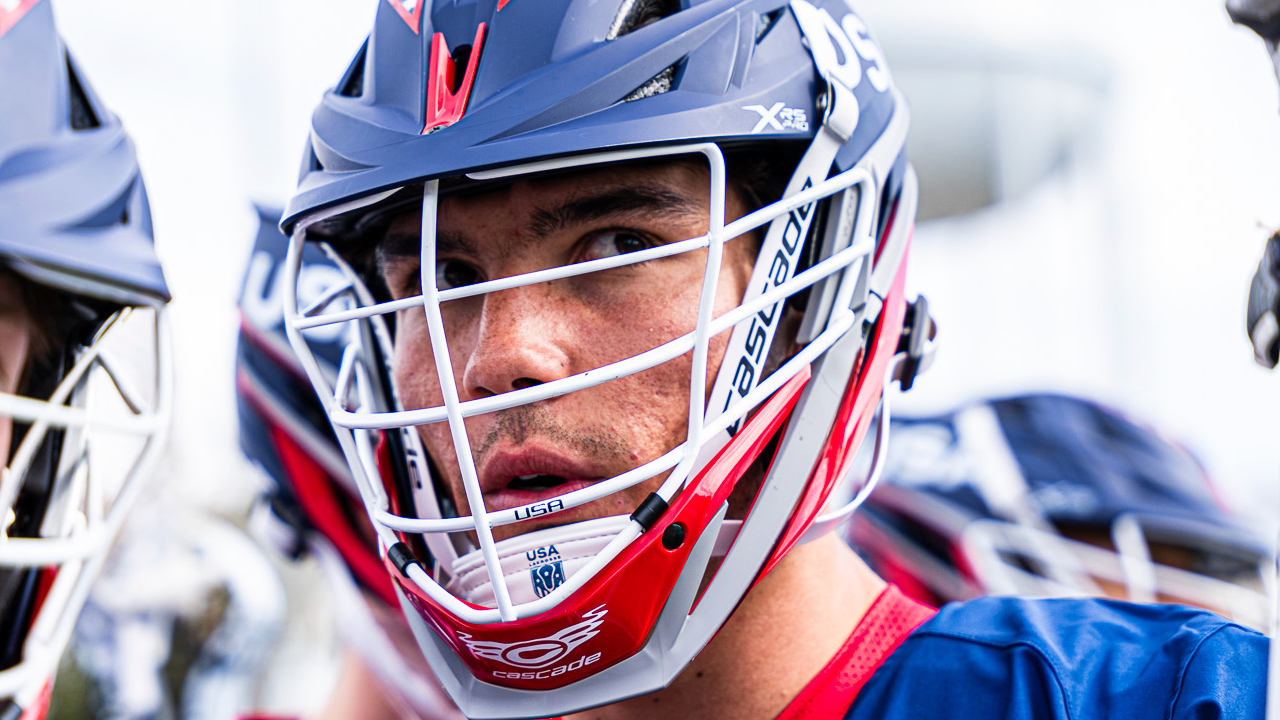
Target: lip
503,466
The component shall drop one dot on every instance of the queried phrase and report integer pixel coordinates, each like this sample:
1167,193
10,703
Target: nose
522,339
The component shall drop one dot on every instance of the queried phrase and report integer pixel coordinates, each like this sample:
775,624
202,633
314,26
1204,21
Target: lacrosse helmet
89,410
1052,495
1263,313
577,614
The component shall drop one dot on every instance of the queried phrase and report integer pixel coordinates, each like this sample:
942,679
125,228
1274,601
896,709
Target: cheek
413,364
414,373
735,275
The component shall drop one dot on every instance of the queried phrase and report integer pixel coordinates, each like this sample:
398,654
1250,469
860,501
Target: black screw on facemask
673,536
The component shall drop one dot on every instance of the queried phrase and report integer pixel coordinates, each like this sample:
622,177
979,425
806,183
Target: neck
786,630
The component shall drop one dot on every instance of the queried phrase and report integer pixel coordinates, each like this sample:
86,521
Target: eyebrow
650,203
653,203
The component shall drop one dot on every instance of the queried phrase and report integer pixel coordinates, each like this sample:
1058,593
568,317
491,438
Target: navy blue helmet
1052,495
82,293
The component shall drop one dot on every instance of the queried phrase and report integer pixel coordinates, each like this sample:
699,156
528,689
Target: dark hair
46,309
760,173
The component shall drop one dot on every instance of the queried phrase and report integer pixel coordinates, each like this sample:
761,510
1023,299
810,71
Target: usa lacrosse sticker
546,568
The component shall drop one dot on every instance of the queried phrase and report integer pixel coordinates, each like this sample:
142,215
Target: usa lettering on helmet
839,48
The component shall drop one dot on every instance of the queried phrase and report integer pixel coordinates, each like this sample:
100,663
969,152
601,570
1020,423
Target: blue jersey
1008,658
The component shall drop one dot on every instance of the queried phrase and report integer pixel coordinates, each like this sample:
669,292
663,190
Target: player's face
14,340
526,336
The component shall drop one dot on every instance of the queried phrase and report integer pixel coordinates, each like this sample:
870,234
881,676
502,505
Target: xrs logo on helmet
542,652
779,117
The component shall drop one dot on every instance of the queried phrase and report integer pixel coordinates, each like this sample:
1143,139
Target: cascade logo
543,653
546,569
760,333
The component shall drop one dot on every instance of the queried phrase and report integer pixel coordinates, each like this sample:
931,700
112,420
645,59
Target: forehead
678,185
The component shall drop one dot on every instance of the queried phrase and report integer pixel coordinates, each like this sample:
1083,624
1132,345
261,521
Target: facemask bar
90,526
834,518
992,544
861,248
143,421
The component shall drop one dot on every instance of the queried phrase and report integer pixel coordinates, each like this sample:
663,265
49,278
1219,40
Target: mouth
536,482
512,479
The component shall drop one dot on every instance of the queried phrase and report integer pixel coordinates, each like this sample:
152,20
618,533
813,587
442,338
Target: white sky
1124,277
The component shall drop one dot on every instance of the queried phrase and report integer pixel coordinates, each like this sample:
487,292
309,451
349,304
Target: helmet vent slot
352,84
766,23
460,56
82,115
656,85
635,14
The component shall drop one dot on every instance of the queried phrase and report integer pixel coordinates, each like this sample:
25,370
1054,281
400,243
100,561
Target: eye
455,273
614,242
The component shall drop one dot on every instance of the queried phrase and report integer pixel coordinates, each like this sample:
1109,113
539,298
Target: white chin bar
351,404
81,519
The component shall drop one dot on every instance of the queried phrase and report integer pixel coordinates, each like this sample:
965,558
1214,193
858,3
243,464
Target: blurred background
1097,182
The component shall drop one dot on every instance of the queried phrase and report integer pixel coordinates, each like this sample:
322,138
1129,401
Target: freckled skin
535,334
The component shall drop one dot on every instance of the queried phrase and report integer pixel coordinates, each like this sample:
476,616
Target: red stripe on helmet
857,408
445,106
38,708
314,491
9,18
411,17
